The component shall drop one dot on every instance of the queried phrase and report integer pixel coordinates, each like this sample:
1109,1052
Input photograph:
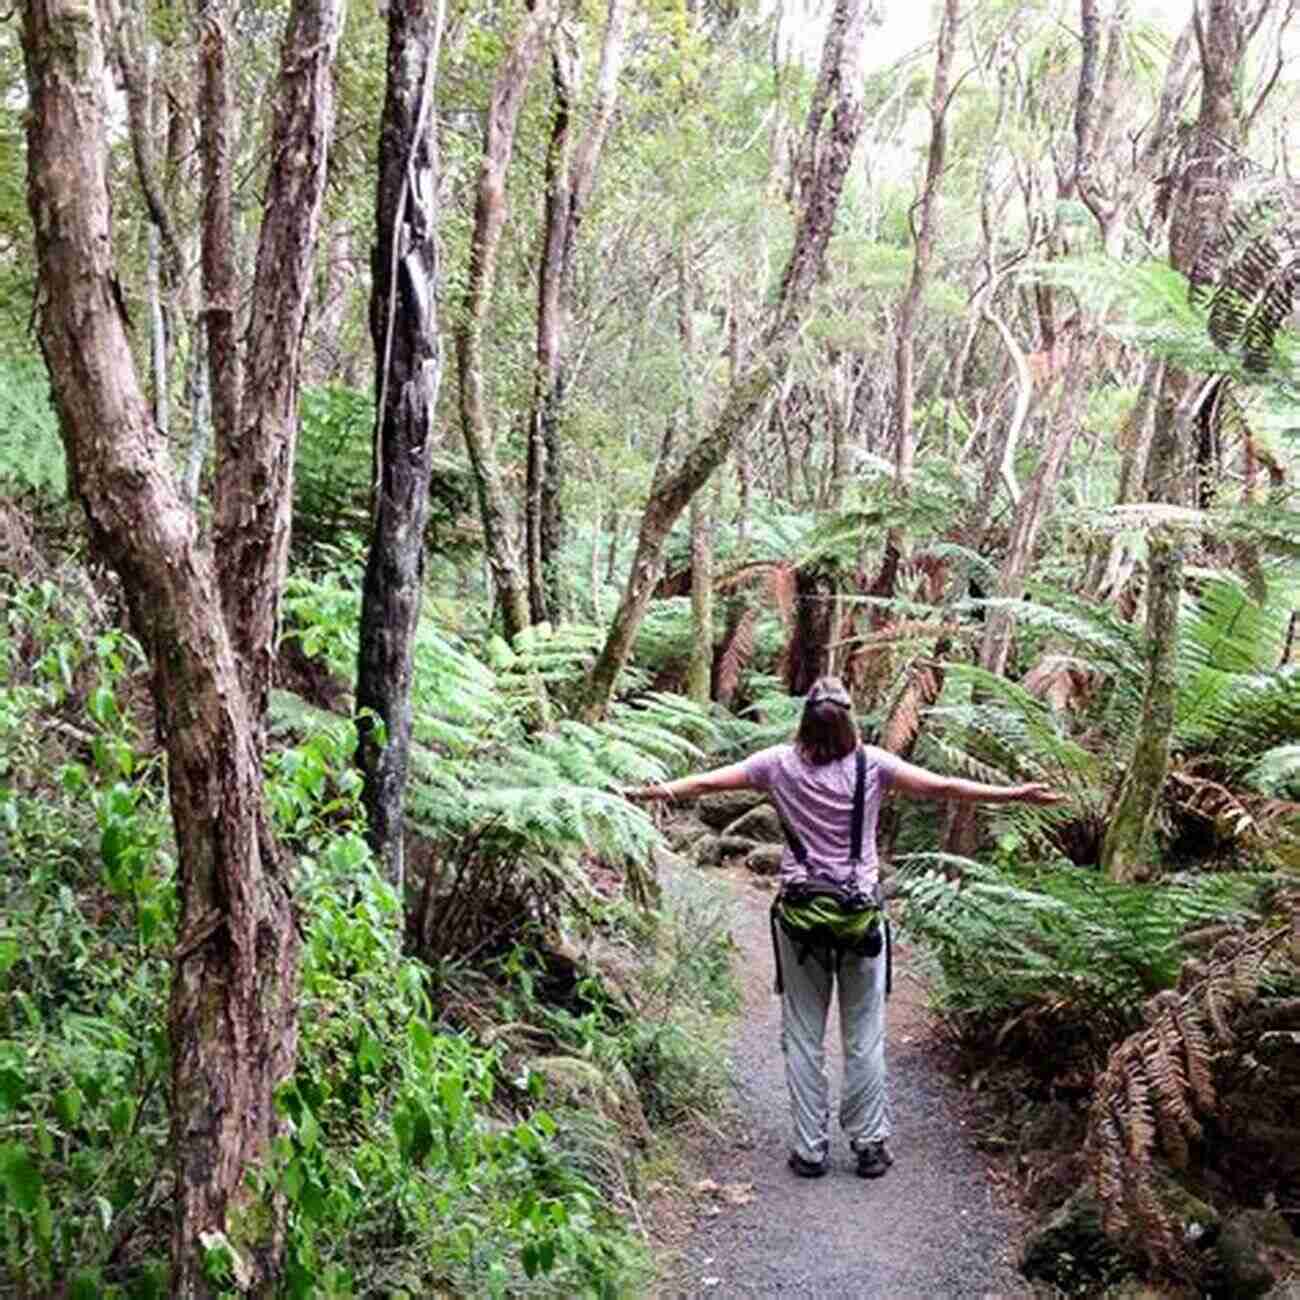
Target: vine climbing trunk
233,1021
408,369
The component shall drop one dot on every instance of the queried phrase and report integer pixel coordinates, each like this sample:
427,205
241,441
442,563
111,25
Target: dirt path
932,1227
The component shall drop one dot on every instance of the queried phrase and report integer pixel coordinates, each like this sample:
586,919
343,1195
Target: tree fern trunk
1128,852
1198,214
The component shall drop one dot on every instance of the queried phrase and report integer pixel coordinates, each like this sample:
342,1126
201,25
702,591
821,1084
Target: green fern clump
1058,941
405,1165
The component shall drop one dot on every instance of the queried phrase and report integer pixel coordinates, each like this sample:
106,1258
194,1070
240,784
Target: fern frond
737,649
1197,1054
1276,770
1140,1132
920,687
1174,1119
1108,1176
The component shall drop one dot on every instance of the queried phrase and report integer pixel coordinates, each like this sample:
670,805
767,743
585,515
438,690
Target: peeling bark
233,1019
254,491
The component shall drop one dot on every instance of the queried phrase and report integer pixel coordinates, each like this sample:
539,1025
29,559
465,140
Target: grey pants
864,1106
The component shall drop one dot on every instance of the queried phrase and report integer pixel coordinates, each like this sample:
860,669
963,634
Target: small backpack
829,919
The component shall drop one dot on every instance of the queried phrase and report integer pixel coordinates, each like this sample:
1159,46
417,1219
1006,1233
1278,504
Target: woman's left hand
645,794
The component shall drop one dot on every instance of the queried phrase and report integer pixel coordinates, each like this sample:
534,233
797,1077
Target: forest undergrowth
475,1099
489,1066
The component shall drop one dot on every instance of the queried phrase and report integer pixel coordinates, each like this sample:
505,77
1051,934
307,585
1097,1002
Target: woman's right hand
1037,792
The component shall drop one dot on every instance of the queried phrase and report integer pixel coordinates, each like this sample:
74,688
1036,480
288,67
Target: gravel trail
934,1226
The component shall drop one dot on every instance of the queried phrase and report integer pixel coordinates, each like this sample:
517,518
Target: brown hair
826,730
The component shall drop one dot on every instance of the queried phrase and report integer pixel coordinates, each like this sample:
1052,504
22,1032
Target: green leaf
67,1106
72,776
13,1088
120,1114
546,1254
421,1041
150,917
451,1092
19,1177
102,706
114,848
370,1053
43,1220
88,1284
8,954
529,1255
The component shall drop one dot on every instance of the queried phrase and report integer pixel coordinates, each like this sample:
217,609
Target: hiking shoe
806,1168
874,1160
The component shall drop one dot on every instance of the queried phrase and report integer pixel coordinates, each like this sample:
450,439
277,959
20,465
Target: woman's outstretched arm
732,777
920,783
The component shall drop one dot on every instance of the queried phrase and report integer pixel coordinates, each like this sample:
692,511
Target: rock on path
932,1227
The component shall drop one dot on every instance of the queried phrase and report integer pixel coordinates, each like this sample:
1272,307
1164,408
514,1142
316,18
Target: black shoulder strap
859,807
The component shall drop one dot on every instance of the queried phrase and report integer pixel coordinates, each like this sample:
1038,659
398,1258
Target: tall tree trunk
233,1016
547,393
220,311
570,177
841,68
1128,848
408,369
489,221
1199,212
1033,509
923,241
699,672
1112,559
699,675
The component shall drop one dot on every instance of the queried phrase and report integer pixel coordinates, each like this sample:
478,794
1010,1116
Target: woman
814,783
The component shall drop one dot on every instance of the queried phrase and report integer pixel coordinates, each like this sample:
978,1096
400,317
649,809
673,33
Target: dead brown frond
921,685
1256,823
1157,1090
737,650
1062,681
781,587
